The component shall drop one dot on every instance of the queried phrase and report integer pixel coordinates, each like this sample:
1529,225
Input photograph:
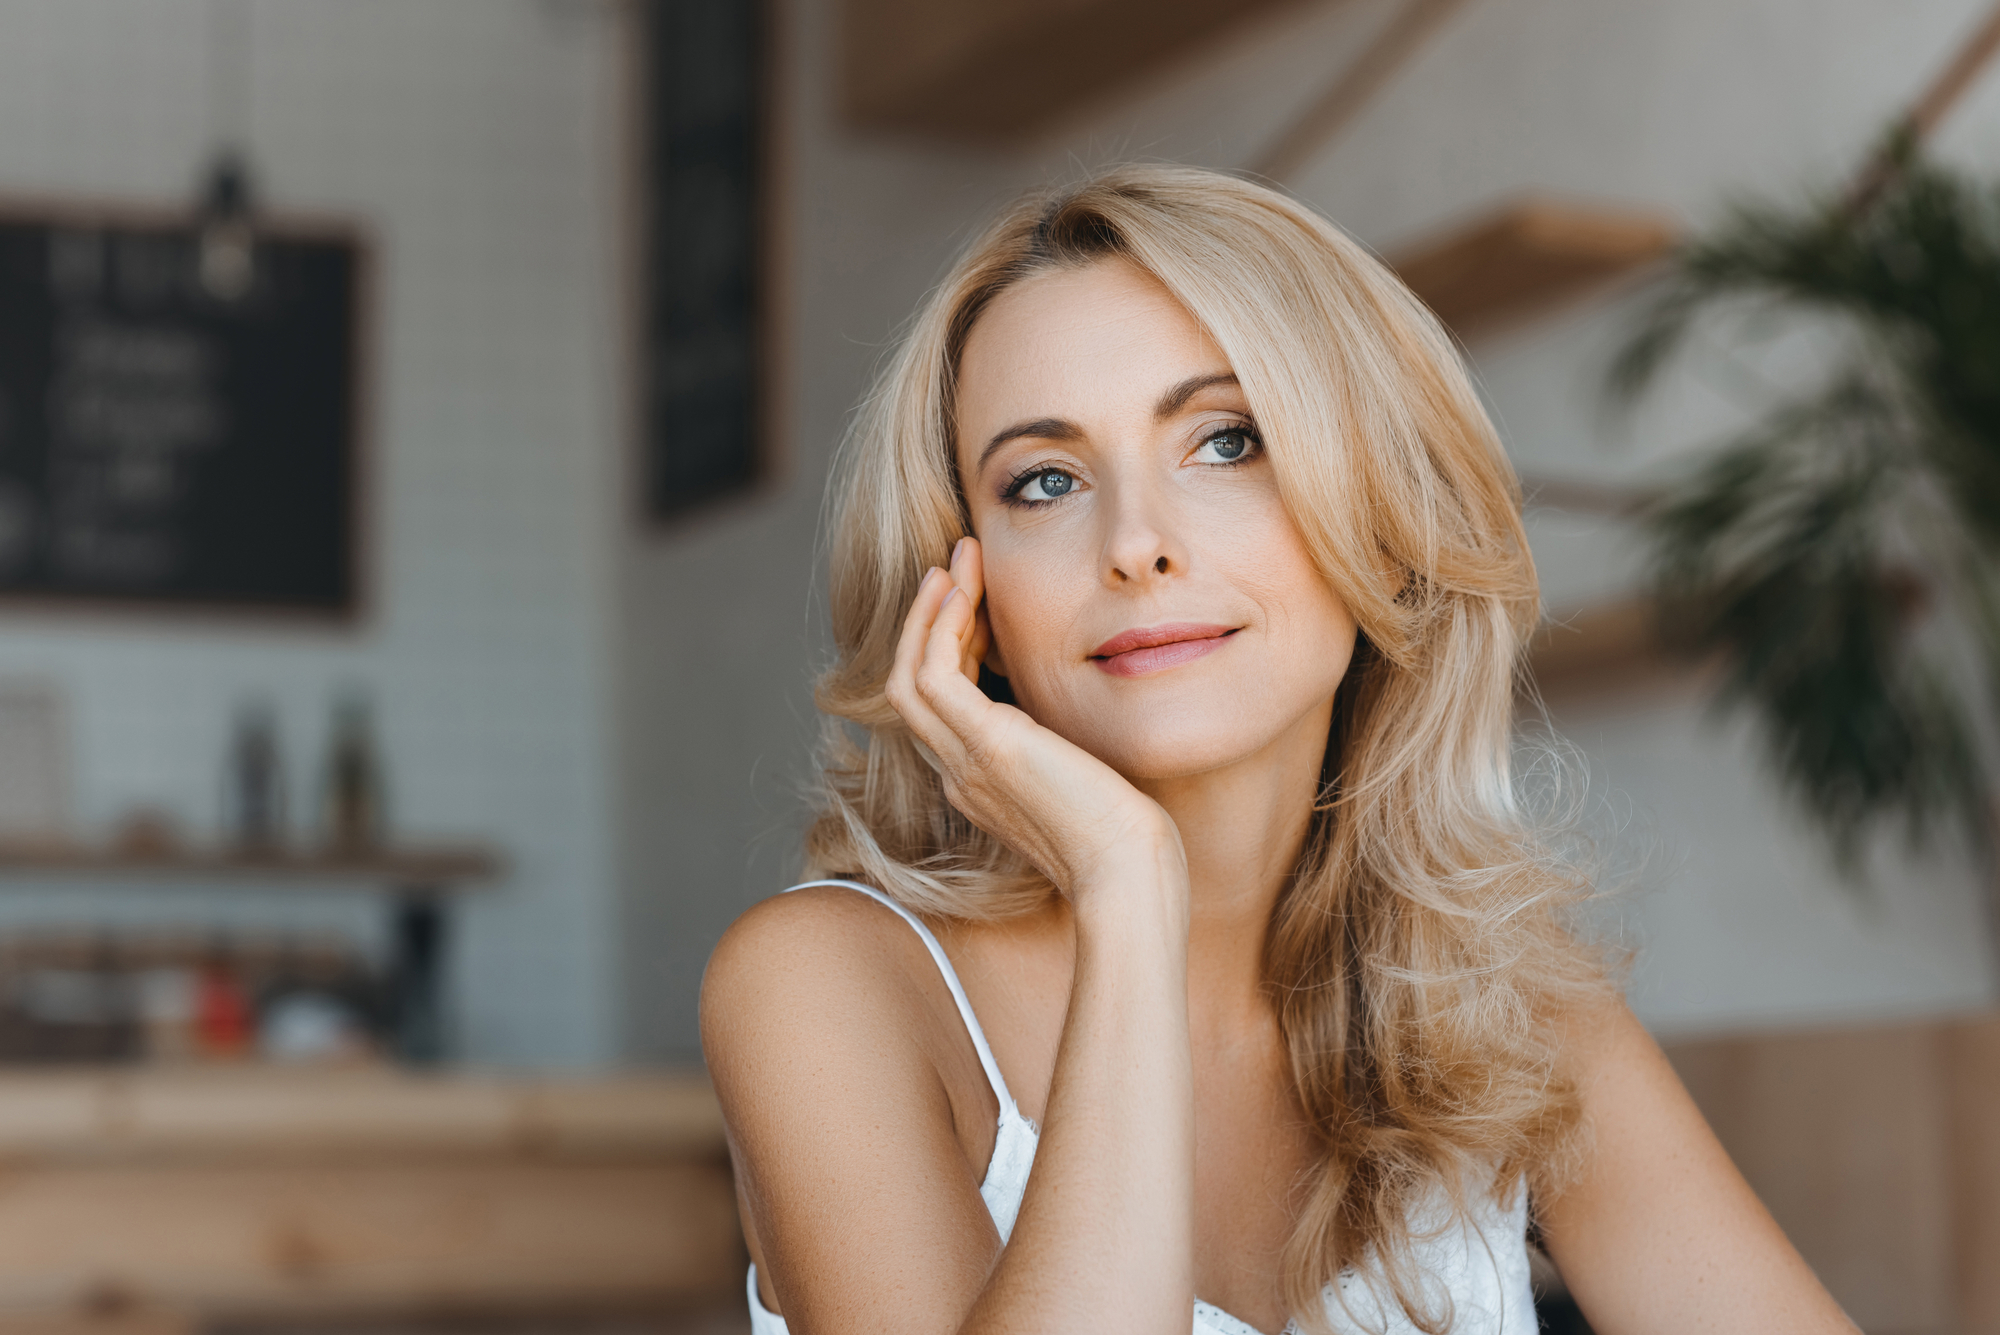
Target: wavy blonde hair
1419,952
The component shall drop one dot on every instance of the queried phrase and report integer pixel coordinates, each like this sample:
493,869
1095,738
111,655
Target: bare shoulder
825,1023
815,990
1599,1034
806,953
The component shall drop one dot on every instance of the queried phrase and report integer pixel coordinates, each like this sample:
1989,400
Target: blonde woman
1174,944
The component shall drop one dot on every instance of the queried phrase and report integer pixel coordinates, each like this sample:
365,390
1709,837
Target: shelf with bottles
406,1016
159,995
351,844
345,844
439,866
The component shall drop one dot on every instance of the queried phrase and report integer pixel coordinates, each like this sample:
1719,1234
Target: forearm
1659,1232
1104,1241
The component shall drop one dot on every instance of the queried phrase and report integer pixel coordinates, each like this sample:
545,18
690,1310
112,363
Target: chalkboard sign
703,89
165,444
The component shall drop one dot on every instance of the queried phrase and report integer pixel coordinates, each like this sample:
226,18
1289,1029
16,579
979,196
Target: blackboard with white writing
169,439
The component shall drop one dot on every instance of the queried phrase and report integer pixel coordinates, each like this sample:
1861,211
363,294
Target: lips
1149,649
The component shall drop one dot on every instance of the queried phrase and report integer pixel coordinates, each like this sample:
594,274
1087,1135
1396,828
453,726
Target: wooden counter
246,1193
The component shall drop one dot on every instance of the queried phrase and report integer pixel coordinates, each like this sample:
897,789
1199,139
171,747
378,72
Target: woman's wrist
1141,878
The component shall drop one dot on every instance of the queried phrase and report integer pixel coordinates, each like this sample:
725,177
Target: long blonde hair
1419,951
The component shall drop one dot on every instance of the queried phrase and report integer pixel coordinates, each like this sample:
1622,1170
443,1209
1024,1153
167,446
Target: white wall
1683,105
477,139
627,710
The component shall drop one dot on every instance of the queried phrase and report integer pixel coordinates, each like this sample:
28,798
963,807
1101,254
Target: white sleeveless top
1480,1262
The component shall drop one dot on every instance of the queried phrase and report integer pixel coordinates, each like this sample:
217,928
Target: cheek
1031,604
1305,614
1027,610
1322,637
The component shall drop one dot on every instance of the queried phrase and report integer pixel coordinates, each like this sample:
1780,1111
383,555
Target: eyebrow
1056,428
1176,398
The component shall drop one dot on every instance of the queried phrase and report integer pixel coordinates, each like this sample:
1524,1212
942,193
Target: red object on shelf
223,1022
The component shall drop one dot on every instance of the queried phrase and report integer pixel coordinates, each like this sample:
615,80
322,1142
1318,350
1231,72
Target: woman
1179,587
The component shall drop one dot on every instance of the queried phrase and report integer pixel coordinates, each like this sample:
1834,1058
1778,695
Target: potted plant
1842,554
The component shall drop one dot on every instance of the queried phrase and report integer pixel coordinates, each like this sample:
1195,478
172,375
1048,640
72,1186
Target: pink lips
1150,649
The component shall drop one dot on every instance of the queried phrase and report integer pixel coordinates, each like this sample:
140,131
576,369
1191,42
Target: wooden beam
1528,258
1605,648
1544,491
1354,87
1929,110
1964,68
974,70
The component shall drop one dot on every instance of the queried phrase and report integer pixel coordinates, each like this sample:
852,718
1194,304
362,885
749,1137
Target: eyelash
1245,429
1018,482
1011,493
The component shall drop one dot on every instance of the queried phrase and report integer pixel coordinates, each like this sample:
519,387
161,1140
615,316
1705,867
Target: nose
1139,545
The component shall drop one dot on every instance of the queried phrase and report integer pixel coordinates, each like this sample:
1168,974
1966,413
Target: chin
1164,742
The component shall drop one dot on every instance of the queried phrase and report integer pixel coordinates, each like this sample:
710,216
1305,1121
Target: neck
1242,827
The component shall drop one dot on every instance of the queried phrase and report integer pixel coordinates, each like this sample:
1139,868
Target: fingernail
929,575
956,548
955,591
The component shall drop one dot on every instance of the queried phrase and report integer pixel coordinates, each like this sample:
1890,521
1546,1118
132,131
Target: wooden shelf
412,881
438,866
1606,642
1606,650
994,73
1528,258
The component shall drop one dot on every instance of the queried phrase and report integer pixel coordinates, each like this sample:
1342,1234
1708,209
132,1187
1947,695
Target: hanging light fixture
226,243
226,253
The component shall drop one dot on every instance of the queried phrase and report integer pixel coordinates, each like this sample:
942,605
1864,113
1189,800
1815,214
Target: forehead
1063,342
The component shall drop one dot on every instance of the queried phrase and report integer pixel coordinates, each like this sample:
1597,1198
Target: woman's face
1150,597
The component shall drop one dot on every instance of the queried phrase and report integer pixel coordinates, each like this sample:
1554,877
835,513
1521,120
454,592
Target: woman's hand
1074,817
820,1029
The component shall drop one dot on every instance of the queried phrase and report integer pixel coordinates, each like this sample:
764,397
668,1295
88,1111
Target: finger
968,567
941,677
917,621
968,572
902,689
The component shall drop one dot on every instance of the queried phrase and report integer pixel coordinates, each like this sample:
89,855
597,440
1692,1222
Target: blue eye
1228,446
1040,487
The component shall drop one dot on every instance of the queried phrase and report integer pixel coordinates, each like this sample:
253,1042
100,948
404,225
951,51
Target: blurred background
414,422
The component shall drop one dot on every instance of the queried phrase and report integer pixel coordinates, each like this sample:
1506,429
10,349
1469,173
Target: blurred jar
311,1027
254,782
224,1022
353,802
169,1003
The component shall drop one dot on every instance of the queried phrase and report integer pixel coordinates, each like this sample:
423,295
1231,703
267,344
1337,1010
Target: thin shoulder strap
979,1043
